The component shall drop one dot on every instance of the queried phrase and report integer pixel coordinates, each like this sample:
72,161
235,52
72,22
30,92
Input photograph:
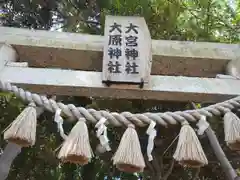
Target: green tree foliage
196,20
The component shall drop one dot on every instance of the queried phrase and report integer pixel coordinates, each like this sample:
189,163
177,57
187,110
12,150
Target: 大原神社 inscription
127,50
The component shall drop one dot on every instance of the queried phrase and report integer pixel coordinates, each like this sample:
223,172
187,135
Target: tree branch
168,173
196,175
149,165
158,166
208,11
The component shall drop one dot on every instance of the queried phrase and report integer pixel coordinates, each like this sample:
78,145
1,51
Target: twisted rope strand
124,118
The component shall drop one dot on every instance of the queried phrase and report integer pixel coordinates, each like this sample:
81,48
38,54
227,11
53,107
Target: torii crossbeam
69,64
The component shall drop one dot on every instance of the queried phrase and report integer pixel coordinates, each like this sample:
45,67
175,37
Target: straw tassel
22,130
129,157
189,151
232,130
76,148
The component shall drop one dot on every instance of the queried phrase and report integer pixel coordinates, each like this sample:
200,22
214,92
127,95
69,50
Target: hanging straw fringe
102,134
76,148
59,120
151,136
232,130
129,157
189,151
22,130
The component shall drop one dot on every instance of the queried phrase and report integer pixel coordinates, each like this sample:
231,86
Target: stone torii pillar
7,57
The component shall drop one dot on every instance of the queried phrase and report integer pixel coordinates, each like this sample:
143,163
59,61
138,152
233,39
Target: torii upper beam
44,50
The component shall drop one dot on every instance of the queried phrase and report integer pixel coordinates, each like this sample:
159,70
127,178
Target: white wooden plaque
127,56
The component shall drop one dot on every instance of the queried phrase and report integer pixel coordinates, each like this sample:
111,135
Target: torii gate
58,63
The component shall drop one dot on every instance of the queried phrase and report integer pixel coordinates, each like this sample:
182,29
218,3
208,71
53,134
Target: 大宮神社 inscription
127,50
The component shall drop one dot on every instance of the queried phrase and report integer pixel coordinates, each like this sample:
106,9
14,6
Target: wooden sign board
127,56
